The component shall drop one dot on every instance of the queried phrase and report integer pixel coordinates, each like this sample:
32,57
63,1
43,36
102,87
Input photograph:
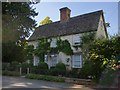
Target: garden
101,58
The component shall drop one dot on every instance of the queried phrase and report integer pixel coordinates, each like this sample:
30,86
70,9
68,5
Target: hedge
45,77
10,73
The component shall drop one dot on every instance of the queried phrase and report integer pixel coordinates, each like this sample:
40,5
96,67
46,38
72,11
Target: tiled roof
78,24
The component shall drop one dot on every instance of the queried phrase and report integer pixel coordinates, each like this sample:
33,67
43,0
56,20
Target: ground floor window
51,59
36,60
77,61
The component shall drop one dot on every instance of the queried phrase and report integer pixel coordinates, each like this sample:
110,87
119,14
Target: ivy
64,46
44,48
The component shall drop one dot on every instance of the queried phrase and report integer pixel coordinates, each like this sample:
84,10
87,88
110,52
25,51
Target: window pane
77,62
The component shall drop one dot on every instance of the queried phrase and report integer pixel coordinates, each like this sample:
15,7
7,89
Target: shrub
60,66
10,73
24,67
86,70
5,66
60,69
39,70
74,73
14,66
45,77
43,66
54,71
107,77
34,70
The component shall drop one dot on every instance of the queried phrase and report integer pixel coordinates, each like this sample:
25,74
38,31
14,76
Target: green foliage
17,20
10,73
60,66
108,76
59,69
46,20
74,73
12,52
64,46
86,41
5,66
87,38
17,23
100,54
25,65
45,77
43,66
42,48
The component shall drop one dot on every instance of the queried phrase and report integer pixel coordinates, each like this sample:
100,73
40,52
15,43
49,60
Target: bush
74,73
60,66
10,73
45,77
60,69
54,71
107,77
86,70
14,66
5,66
43,66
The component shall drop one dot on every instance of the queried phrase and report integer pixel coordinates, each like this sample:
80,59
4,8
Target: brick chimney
64,14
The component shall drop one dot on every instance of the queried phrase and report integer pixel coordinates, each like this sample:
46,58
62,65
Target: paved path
20,82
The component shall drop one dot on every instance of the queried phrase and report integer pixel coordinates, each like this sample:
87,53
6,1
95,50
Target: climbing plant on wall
44,48
64,46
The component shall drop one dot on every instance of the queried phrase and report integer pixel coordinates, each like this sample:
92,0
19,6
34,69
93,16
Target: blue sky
51,9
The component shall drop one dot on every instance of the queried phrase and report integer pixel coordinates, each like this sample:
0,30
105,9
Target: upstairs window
53,43
76,40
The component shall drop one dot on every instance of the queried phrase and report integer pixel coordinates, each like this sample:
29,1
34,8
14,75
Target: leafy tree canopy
17,20
17,23
46,20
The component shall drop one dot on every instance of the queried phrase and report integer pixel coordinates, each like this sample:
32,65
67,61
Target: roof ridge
73,17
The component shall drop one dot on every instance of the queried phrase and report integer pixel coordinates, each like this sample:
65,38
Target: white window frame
53,43
76,40
79,61
36,60
54,62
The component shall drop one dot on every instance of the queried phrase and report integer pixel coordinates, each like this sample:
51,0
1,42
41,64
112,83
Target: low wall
80,81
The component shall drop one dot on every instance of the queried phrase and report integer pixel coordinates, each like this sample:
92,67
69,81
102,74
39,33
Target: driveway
20,82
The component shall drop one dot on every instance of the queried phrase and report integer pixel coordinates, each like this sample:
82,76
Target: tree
46,20
17,22
101,54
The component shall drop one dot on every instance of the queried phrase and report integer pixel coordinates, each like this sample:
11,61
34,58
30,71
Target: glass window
77,61
76,39
53,42
54,60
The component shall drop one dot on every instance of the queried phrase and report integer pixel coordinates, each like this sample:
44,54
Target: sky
51,9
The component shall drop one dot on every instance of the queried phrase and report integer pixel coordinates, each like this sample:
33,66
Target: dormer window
53,43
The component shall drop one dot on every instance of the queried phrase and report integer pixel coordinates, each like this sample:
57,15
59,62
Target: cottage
71,29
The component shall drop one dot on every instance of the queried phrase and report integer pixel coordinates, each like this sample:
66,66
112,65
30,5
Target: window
77,61
53,60
36,60
46,58
53,42
76,40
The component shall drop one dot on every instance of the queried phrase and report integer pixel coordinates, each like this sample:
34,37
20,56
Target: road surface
20,82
